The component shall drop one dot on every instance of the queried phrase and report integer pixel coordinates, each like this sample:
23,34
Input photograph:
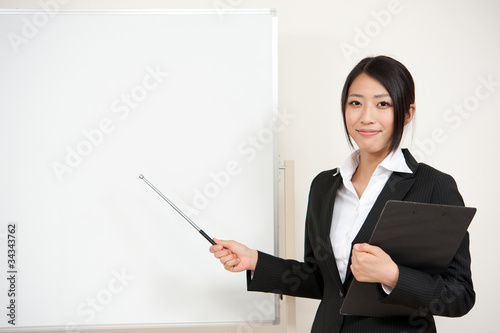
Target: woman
378,101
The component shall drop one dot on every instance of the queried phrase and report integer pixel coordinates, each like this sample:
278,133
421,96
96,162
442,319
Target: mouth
366,132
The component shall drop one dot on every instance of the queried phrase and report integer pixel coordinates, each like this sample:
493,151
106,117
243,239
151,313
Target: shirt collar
394,162
349,166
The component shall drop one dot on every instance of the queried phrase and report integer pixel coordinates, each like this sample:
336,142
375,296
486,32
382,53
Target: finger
223,253
232,265
356,260
224,243
238,268
355,272
228,258
215,248
358,247
365,247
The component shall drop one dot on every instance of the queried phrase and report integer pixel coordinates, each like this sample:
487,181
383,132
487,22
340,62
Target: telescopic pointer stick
179,211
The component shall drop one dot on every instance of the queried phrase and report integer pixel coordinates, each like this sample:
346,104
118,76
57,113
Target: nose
367,115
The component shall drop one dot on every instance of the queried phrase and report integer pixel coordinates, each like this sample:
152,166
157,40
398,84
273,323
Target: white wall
451,47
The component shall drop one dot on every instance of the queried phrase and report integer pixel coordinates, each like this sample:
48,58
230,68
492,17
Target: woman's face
369,115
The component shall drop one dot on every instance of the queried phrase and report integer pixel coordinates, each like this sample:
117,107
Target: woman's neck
368,162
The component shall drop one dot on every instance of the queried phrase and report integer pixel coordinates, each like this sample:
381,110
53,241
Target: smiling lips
367,132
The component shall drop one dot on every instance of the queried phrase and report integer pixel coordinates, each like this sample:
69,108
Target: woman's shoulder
441,186
428,173
324,180
330,174
425,171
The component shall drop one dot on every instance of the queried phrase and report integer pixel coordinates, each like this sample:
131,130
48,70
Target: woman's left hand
371,264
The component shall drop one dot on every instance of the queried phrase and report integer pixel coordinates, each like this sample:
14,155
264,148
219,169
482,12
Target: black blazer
448,294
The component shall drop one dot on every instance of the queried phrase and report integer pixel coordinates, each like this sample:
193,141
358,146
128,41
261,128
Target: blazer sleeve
448,294
289,277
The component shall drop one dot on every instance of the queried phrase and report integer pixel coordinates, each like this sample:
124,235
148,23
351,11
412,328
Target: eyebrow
376,96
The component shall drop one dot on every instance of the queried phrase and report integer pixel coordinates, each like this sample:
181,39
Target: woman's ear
410,114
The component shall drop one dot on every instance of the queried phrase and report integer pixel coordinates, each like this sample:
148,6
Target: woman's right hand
234,256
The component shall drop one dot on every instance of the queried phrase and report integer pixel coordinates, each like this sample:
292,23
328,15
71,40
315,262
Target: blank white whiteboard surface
92,99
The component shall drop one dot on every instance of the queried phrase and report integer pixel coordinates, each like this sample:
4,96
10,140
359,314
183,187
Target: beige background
451,47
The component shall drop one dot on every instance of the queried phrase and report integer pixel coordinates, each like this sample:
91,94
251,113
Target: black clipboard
418,235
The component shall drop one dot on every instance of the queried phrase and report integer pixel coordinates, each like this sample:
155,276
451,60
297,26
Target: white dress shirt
350,212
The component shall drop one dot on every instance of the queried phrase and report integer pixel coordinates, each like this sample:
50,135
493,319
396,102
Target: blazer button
341,293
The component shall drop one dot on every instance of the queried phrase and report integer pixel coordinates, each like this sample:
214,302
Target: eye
354,103
384,104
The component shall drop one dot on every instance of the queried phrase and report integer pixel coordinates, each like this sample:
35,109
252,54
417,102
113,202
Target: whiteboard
92,99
